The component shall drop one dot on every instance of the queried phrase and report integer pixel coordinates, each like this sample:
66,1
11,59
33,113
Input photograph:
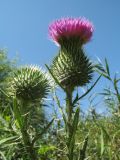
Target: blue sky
24,28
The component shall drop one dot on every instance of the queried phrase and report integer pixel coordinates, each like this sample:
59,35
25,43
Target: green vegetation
26,132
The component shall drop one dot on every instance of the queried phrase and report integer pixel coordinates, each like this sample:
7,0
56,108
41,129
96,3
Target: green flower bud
30,83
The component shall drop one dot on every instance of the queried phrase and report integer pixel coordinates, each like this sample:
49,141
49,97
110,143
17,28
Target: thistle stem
25,135
69,107
22,121
69,110
28,145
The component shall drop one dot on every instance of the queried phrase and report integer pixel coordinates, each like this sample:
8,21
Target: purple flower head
70,28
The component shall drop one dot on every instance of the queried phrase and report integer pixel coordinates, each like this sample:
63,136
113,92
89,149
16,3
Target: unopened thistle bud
30,83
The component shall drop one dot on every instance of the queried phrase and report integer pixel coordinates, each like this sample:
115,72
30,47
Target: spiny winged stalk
72,123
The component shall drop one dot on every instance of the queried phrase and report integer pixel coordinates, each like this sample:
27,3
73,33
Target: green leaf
45,148
117,80
116,88
107,67
102,142
74,128
104,71
2,91
61,110
106,76
77,99
76,120
17,113
84,148
3,156
57,82
8,140
44,130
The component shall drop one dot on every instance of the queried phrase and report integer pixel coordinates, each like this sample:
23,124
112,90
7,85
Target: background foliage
98,135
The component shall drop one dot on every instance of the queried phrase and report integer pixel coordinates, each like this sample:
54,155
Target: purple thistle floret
70,28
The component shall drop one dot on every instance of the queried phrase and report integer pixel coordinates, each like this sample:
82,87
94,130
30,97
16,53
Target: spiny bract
72,70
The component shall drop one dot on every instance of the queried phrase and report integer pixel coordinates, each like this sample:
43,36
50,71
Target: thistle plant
71,68
29,86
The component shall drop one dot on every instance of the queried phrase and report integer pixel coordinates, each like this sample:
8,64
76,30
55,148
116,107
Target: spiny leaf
76,120
77,99
107,67
74,129
57,82
17,112
44,130
7,140
61,110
